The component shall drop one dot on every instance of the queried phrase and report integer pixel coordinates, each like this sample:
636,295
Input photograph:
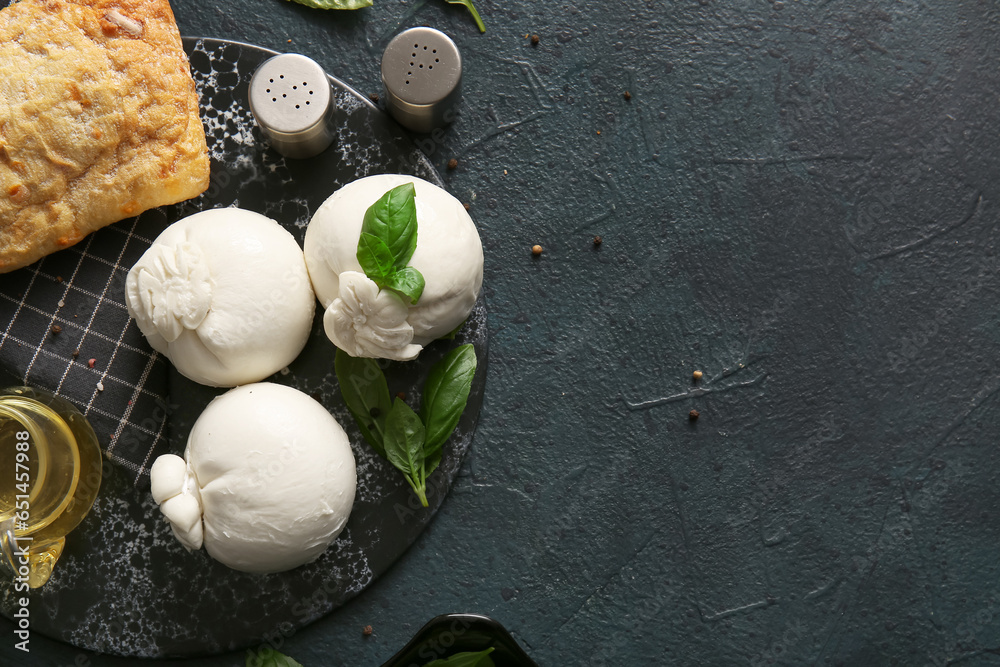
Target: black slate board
124,586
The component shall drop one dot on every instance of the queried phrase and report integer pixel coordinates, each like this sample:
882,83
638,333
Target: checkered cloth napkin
66,329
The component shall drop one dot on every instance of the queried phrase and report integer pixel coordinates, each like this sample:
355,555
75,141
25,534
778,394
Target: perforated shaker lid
422,75
290,98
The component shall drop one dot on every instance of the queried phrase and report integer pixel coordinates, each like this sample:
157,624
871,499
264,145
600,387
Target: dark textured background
800,199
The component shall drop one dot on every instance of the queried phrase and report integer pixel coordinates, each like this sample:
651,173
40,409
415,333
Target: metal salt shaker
422,77
291,99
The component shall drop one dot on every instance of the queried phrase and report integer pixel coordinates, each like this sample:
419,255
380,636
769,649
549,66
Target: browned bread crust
99,120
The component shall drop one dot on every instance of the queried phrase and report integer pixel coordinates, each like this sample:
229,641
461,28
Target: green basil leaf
466,659
445,394
268,657
407,281
404,440
375,258
393,218
472,10
336,4
432,461
363,386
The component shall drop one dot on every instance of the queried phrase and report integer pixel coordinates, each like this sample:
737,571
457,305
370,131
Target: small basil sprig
358,4
336,4
472,10
269,658
412,443
467,659
388,239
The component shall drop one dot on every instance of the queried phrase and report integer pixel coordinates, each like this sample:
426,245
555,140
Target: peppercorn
693,415
628,96
536,250
56,329
598,240
367,631
535,39
452,164
697,375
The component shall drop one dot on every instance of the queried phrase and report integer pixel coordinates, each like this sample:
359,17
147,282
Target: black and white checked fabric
66,329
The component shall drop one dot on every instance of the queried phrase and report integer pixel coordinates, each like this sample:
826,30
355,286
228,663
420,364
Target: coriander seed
536,250
697,375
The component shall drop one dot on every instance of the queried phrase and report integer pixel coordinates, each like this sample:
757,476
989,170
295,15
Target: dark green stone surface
799,199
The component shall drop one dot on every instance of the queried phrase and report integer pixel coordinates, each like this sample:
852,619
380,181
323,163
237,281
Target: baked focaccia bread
98,120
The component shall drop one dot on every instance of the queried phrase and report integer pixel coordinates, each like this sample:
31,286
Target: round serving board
124,585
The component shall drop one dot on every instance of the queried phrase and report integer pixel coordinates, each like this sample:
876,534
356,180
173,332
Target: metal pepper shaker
422,77
291,98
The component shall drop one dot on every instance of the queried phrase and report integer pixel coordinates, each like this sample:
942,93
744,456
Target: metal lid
422,75
291,99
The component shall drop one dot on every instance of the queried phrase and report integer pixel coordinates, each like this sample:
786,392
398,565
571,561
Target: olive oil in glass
50,472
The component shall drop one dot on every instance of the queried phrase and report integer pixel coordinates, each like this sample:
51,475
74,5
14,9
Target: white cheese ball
266,483
449,254
224,294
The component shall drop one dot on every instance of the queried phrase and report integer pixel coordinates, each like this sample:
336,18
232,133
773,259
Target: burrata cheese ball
267,481
367,322
223,294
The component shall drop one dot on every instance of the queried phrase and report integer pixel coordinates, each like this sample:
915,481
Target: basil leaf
404,440
466,659
445,394
393,218
432,461
472,10
375,257
336,4
270,658
363,386
407,281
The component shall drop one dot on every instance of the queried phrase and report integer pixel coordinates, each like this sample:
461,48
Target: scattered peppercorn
693,415
367,631
58,279
401,395
466,205
628,96
76,353
598,240
374,97
535,39
697,375
452,164
536,250
91,363
56,329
